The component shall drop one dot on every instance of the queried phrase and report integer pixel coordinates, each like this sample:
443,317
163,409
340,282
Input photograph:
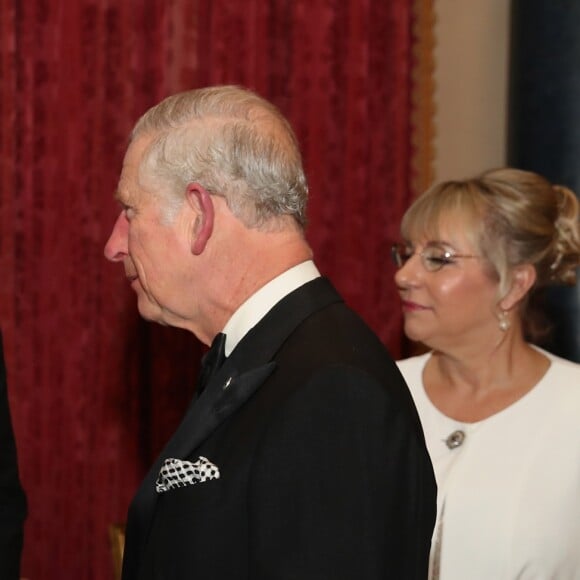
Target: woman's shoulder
560,386
562,367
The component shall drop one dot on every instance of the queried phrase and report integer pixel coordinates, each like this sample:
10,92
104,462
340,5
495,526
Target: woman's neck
473,388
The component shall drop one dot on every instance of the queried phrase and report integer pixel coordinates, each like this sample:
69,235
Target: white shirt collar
262,301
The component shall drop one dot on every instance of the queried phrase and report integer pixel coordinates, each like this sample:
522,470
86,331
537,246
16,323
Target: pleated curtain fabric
96,391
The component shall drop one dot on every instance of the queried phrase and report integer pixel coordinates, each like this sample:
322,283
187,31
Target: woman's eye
440,259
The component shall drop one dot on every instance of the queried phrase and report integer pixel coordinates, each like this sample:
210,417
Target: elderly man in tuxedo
301,456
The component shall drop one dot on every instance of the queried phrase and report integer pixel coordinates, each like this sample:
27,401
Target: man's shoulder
337,334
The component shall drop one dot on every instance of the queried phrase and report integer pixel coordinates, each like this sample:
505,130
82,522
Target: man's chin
150,312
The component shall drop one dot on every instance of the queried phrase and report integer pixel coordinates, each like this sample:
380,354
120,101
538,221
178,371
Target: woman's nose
117,246
410,272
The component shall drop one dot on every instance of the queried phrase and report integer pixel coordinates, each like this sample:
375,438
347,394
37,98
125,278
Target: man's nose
116,247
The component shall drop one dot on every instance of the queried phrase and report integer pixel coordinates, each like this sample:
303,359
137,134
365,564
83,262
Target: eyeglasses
433,258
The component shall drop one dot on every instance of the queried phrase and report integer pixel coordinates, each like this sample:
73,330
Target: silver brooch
455,439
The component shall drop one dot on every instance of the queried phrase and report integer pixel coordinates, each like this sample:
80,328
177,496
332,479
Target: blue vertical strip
544,124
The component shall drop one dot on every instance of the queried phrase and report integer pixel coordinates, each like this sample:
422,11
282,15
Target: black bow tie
212,360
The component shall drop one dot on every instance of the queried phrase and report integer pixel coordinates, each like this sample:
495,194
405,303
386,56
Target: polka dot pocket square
179,473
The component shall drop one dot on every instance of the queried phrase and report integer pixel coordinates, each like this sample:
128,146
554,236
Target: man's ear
523,278
201,202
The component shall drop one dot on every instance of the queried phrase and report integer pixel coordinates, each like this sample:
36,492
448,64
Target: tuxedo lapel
247,367
243,372
225,393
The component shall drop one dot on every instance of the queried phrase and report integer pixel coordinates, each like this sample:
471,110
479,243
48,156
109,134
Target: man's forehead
135,152
130,170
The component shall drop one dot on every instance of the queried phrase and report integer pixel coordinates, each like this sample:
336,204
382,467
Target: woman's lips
409,306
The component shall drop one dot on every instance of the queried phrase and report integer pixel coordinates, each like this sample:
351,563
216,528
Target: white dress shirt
262,301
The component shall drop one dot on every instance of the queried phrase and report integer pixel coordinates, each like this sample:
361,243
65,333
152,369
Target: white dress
509,494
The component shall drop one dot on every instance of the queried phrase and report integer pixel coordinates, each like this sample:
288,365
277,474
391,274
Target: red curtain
94,390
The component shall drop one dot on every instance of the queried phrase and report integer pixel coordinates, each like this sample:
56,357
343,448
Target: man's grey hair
234,144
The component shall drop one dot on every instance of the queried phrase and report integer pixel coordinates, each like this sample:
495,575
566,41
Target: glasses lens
434,258
400,254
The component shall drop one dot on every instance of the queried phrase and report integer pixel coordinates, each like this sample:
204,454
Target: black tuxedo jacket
323,468
12,498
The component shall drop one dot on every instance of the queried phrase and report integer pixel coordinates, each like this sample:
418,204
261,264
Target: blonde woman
501,416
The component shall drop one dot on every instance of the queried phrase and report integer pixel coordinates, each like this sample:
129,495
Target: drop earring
504,322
